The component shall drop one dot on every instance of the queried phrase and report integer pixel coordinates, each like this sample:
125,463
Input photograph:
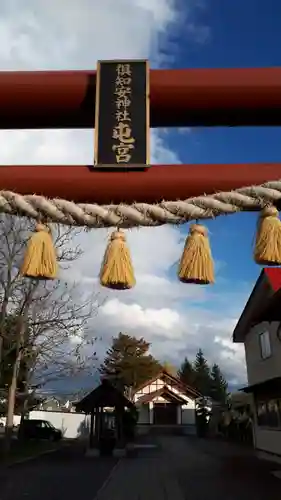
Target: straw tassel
40,260
268,239
117,270
196,265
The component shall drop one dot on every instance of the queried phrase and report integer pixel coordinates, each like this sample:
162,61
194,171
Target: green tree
219,387
202,377
170,369
186,373
128,364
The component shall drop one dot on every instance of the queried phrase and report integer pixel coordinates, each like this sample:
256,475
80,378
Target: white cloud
158,320
71,34
176,332
44,34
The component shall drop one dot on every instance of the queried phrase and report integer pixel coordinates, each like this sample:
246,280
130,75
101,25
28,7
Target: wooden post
97,424
119,419
92,430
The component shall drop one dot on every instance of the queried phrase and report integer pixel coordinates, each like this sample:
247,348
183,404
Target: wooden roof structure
165,393
105,395
267,388
184,388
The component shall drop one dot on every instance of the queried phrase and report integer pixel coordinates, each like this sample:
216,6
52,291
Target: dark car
39,429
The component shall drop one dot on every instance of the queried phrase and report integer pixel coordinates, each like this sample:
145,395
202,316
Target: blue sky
234,34
239,34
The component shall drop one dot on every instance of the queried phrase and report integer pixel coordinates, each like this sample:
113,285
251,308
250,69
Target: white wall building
166,401
259,328
162,402
72,425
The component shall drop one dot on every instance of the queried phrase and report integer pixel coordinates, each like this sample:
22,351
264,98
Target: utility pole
20,340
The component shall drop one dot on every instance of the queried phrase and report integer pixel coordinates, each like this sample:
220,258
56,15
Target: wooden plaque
122,126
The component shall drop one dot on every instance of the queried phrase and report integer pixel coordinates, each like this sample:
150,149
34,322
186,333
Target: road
191,469
220,471
62,474
179,468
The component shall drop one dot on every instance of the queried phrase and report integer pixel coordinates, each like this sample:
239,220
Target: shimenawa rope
141,214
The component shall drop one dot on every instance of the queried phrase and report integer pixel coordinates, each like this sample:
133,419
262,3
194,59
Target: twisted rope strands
141,214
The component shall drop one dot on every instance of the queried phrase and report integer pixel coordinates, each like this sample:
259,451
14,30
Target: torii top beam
189,97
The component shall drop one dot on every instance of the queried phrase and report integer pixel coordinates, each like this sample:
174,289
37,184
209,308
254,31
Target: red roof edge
273,275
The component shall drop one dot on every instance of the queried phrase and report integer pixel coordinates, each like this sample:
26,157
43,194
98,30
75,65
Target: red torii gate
210,97
189,97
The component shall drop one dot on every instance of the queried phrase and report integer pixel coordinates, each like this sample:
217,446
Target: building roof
261,303
264,386
174,380
104,395
165,393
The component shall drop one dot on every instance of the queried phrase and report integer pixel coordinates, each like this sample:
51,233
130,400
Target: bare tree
59,343
52,334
